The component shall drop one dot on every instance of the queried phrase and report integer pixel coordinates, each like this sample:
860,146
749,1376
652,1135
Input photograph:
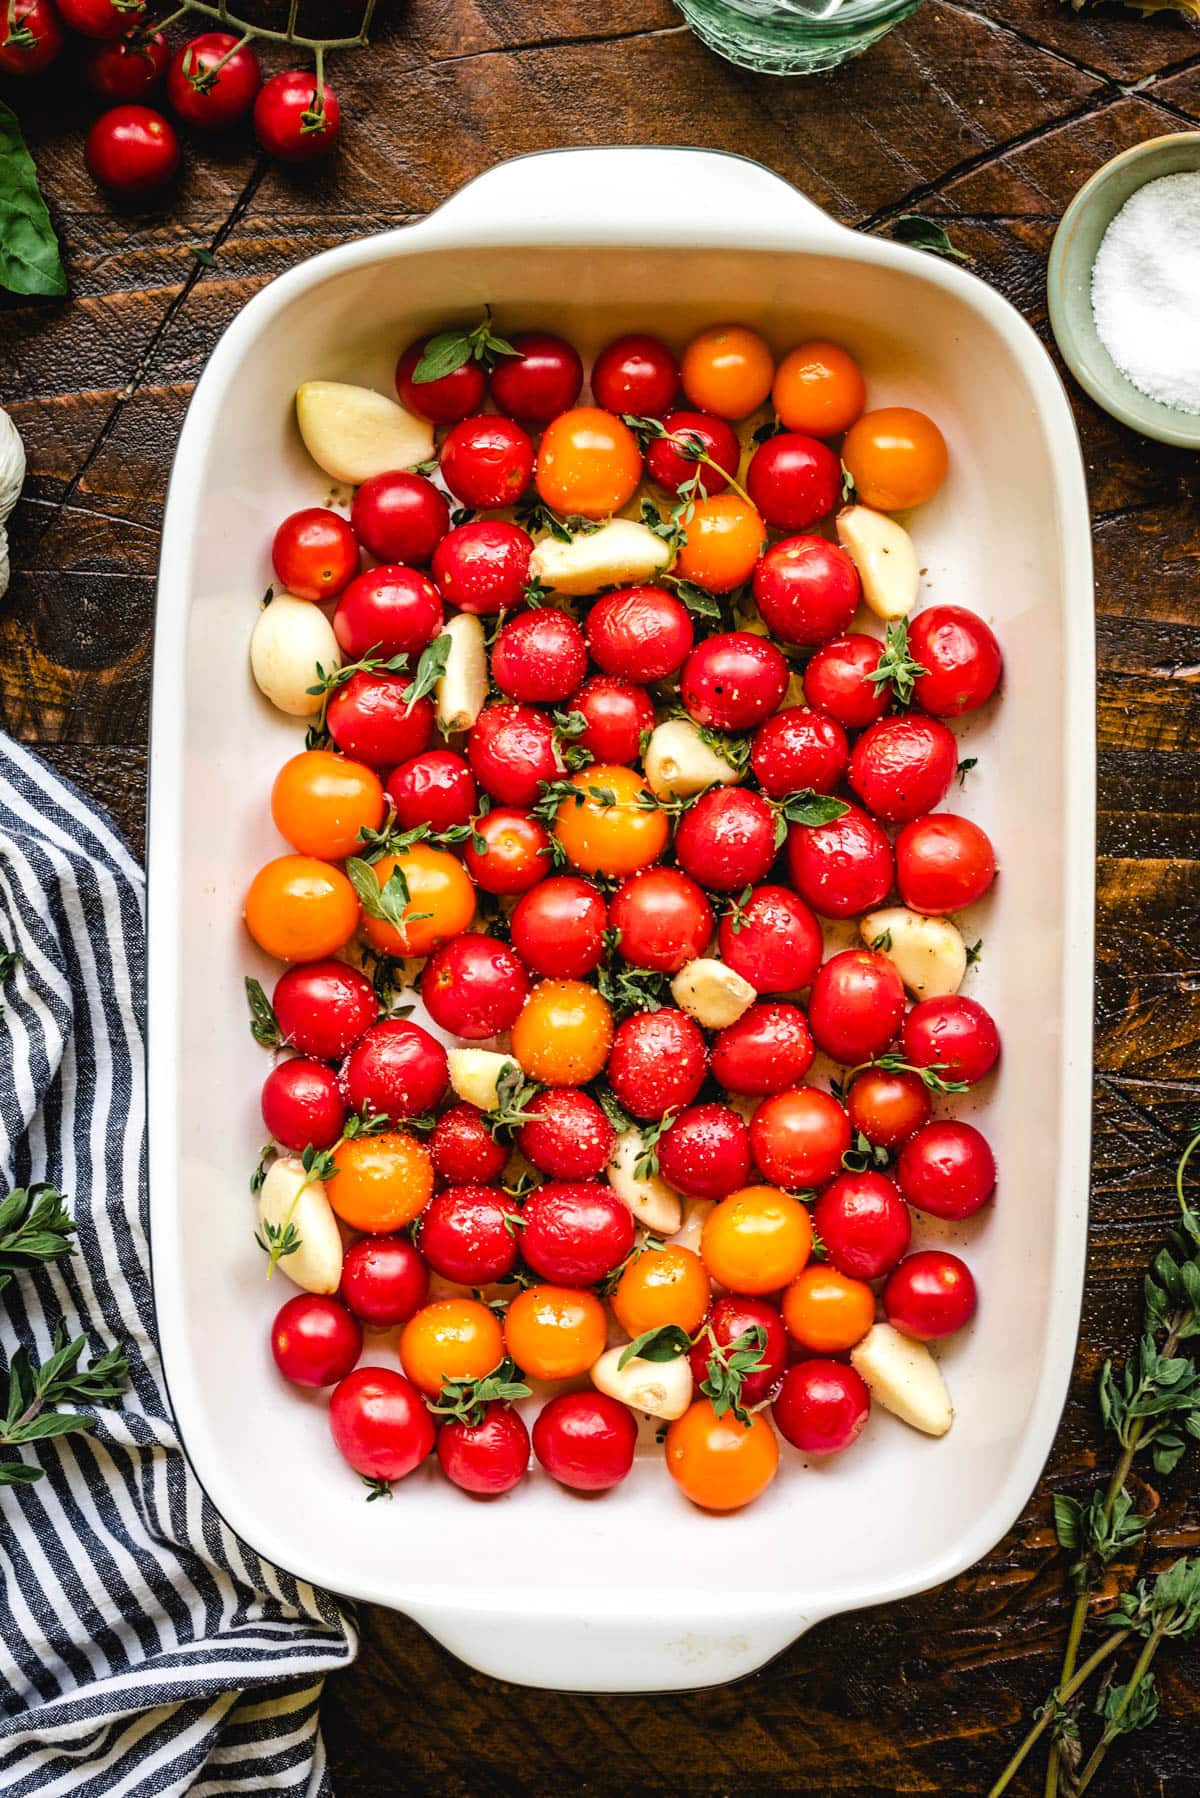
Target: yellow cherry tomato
563,1034
827,1312
555,1332
818,389
438,887
588,463
719,1462
301,909
452,1339
663,1286
897,456
725,537
380,1183
320,802
617,835
756,1240
727,370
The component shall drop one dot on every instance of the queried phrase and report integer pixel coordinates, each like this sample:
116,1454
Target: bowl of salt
1124,288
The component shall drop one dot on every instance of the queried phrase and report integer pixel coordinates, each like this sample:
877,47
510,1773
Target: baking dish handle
624,195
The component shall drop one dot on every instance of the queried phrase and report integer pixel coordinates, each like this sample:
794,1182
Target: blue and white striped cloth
145,1649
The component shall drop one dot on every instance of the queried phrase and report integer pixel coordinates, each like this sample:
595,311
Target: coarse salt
1146,290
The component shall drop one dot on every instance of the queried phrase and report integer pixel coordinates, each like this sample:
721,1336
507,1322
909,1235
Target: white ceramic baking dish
636,1591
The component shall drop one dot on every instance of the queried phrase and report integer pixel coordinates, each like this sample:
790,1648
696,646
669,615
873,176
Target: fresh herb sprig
896,667
448,351
466,1401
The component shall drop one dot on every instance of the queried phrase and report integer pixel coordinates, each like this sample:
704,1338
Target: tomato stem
318,45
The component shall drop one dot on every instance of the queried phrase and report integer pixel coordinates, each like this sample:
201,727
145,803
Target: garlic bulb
12,475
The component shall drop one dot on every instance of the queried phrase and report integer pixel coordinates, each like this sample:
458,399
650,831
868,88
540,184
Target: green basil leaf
666,1343
442,355
29,258
924,234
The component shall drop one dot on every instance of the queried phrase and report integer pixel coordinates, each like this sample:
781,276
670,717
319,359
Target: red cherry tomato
388,611
667,463
842,868
903,766
798,1137
483,567
807,591
768,1050
517,852
100,18
323,1007
314,1340
380,1424
512,750
315,553
301,1104
727,839
961,658
864,1223
705,1153
207,97
396,1069
618,716
636,374
856,1004
731,1317
488,1457
567,1136
487,461
640,633
733,681
772,940
384,1280
132,150
657,1062
574,1233
585,1440
370,720
888,1107
293,121
794,480
445,400
930,1295
400,517
558,928
474,986
34,38
125,68
947,1169
821,1407
540,381
464,1150
435,788
954,1034
663,919
943,863
466,1234
539,657
838,680
798,750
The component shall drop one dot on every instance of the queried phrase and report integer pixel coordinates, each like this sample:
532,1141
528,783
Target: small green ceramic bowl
1069,284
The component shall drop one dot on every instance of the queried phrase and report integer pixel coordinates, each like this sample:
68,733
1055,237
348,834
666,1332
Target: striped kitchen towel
145,1649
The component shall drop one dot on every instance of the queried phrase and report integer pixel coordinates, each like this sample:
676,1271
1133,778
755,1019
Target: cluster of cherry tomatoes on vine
633,1183
212,82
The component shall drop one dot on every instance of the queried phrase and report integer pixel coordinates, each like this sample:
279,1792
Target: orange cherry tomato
719,1462
438,885
380,1183
818,389
301,909
588,462
827,1312
756,1240
555,1332
320,802
563,1034
663,1286
897,457
727,370
725,538
618,838
452,1339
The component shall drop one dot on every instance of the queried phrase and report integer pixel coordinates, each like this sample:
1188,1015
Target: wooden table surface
989,115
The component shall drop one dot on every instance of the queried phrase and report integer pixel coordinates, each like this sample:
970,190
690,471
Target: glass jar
792,37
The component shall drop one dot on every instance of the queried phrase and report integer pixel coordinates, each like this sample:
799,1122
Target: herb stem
1112,1728
289,36
689,445
1059,1697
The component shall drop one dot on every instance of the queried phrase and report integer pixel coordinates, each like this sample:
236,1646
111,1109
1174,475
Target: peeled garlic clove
660,1388
883,553
904,1378
620,552
928,953
288,1196
475,1075
691,1229
12,465
712,993
354,432
289,640
679,763
650,1199
462,692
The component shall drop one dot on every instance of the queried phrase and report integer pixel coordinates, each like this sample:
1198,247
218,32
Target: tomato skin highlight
379,1424
585,1440
315,1341
821,1407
